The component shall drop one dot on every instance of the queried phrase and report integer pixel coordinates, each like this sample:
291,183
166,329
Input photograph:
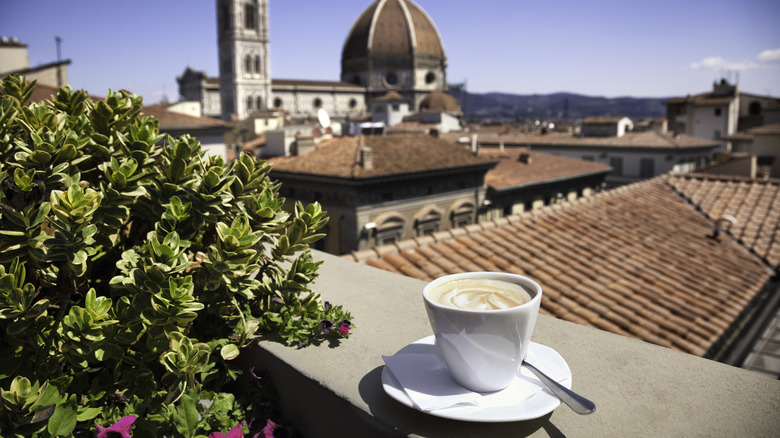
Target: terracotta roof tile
170,119
754,204
644,139
392,155
635,261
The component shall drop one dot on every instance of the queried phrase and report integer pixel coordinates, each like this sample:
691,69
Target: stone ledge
639,388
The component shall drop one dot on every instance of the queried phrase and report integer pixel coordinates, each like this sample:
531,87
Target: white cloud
718,63
769,56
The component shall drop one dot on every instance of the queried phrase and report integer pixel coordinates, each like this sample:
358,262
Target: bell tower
244,59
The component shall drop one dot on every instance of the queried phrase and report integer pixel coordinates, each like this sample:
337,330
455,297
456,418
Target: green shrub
133,270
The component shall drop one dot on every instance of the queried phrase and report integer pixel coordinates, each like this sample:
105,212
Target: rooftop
392,155
602,120
310,83
755,204
169,119
511,171
645,139
635,261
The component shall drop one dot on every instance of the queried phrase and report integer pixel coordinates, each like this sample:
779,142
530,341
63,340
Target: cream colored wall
13,58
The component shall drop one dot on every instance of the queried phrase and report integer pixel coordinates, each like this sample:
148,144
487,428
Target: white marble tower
244,58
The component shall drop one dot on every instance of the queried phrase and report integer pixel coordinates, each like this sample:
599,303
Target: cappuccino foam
479,294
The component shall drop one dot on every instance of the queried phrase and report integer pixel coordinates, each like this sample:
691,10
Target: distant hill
505,106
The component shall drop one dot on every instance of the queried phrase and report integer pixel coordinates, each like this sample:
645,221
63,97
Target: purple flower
326,325
235,432
327,305
268,430
119,430
255,375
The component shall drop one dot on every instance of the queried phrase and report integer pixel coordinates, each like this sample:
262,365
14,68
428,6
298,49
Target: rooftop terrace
640,389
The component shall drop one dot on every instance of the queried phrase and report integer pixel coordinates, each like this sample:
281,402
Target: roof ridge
713,220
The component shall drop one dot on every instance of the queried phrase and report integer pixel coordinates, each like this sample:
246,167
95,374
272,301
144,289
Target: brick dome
394,45
393,28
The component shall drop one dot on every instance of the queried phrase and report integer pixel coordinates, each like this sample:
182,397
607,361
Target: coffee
479,294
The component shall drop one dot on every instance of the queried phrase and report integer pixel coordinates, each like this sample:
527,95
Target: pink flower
235,432
120,429
344,328
268,430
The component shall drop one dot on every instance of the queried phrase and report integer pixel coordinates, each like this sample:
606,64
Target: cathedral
392,46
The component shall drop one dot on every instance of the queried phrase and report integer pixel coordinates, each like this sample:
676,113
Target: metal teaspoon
578,403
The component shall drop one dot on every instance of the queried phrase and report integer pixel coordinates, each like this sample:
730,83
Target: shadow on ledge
408,420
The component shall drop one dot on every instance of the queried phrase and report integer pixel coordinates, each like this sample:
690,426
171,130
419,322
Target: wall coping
639,388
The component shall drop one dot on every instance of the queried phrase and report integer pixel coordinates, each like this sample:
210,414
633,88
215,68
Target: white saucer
497,406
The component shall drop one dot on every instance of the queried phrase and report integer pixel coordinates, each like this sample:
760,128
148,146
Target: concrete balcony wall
639,389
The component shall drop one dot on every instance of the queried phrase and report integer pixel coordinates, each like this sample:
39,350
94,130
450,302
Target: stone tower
244,58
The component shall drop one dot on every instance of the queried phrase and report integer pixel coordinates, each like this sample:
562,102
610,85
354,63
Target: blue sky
598,47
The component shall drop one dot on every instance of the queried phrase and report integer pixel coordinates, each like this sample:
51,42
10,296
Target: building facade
633,156
409,60
15,59
717,114
382,189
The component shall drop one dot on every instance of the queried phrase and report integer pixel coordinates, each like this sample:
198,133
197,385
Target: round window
317,103
391,78
430,77
352,103
277,103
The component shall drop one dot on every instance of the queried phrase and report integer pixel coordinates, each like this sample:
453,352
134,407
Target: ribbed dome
440,101
393,28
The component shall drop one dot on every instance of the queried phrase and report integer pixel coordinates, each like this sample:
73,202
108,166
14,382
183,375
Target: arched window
248,64
249,103
249,16
427,222
257,64
260,104
462,214
389,229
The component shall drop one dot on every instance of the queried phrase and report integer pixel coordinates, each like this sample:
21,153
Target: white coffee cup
484,349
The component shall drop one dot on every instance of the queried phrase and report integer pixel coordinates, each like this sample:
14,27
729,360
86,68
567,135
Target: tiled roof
170,119
635,261
308,83
602,120
702,99
391,96
167,119
512,172
440,101
774,128
43,92
645,139
754,204
392,155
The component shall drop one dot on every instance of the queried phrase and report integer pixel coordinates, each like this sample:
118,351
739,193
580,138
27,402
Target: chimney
367,158
366,154
474,145
525,157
